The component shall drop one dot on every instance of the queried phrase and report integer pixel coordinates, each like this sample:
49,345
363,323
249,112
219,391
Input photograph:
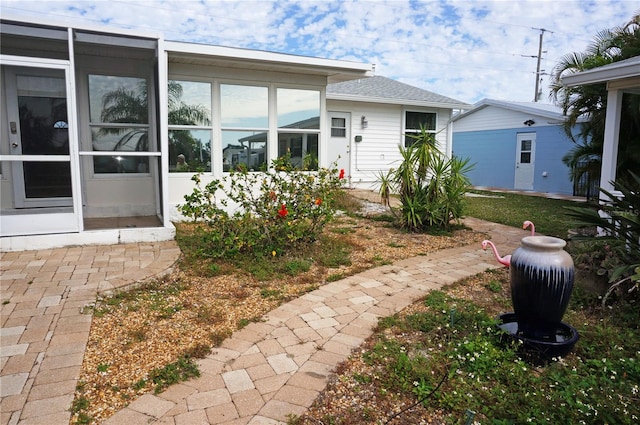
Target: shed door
525,161
340,141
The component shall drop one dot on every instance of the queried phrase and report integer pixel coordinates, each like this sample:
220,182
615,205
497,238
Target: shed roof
381,89
534,108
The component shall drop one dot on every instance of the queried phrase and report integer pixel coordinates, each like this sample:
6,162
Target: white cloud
463,49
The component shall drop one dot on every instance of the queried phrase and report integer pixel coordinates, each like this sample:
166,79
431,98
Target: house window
189,126
338,127
299,110
119,122
413,123
244,114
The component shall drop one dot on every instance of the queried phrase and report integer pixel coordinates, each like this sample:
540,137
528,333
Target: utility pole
537,93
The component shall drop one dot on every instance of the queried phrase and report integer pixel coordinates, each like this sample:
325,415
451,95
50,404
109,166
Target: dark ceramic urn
542,275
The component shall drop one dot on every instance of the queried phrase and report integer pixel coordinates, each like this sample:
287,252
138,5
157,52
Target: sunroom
102,131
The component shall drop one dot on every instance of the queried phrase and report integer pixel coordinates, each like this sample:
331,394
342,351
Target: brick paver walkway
44,326
260,375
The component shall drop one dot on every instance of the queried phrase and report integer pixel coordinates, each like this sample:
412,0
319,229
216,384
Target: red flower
318,201
282,212
341,176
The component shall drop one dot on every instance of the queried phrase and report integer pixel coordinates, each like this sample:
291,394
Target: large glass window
244,149
189,126
299,110
415,121
244,112
119,115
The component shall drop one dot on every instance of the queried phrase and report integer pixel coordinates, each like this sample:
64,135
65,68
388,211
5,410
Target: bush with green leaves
620,220
431,186
262,213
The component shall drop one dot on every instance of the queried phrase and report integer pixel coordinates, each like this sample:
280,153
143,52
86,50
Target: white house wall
379,149
493,118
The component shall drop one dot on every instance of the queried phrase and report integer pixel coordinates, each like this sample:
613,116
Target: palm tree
585,106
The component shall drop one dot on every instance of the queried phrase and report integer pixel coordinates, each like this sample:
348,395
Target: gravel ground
142,331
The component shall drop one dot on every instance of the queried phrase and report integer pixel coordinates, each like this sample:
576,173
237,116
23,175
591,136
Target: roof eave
514,107
334,70
404,102
614,71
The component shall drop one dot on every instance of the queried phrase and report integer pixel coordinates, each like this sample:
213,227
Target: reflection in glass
38,133
298,108
416,119
189,150
189,103
244,106
118,99
125,140
302,149
120,139
120,164
42,108
244,149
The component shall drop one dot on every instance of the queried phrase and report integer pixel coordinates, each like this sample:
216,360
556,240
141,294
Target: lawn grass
513,209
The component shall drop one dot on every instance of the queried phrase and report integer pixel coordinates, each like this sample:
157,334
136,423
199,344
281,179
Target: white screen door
39,132
340,141
525,161
42,153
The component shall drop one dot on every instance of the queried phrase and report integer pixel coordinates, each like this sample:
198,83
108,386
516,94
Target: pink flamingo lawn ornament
528,223
506,260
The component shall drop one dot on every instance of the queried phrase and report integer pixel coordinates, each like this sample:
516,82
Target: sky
464,49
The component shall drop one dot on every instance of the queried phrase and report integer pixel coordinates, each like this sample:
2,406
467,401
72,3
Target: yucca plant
430,186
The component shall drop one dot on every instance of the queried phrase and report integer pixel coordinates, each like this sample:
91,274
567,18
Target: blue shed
514,145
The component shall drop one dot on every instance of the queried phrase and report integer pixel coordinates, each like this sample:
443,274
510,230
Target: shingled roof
385,90
551,112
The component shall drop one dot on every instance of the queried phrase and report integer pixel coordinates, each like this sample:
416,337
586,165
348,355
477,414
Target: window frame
183,127
406,131
255,130
301,131
87,151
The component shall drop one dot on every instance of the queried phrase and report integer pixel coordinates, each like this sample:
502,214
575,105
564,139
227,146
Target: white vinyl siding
379,149
493,118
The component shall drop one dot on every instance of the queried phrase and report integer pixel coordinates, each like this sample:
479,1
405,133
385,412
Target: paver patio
260,375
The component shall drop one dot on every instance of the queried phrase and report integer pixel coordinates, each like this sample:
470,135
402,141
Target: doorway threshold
99,223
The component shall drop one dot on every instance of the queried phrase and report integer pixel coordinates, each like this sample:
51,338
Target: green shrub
620,256
431,186
263,213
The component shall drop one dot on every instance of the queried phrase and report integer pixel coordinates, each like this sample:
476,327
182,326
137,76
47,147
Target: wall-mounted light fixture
363,122
529,123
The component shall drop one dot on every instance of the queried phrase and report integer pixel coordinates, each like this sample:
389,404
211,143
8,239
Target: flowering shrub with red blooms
273,211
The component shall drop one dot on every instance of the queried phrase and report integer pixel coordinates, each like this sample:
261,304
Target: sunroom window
299,126
189,126
119,122
244,114
413,123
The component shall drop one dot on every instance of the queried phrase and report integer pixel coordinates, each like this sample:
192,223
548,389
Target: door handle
14,145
